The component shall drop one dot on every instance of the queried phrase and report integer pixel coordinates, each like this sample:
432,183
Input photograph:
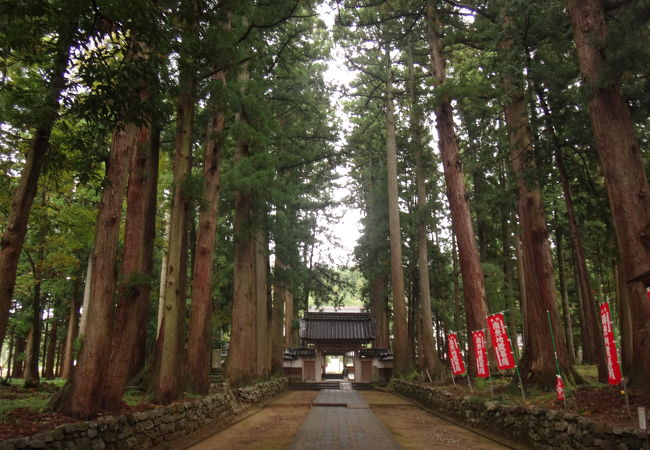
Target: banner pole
623,382
514,356
469,382
491,387
521,383
557,361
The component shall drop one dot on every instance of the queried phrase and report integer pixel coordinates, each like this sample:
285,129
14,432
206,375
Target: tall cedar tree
402,362
623,169
13,238
242,353
167,385
470,265
428,355
197,358
538,361
82,395
71,331
135,286
31,371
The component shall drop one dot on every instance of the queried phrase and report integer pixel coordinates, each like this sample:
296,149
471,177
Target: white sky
347,230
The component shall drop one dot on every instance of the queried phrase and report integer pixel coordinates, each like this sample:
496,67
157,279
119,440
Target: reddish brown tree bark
197,363
82,398
135,284
537,364
13,238
242,359
593,351
461,220
623,169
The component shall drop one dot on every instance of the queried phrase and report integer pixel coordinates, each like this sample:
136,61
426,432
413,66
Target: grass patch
589,373
33,401
135,398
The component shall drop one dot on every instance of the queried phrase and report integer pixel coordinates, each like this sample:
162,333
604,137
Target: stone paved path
294,421
342,419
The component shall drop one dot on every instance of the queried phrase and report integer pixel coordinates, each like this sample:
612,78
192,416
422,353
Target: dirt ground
416,429
275,426
272,427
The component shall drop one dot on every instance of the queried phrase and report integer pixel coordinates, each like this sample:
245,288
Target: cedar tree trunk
168,387
71,333
31,374
402,362
51,350
242,353
82,398
197,362
280,292
262,334
623,169
566,312
593,351
13,238
461,220
132,310
429,356
537,363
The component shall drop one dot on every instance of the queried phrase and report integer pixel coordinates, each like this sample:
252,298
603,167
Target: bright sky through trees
346,229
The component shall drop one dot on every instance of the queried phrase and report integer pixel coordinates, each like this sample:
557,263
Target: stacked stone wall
152,428
531,427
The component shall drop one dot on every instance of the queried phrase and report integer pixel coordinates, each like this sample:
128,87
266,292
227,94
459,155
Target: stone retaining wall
150,428
532,427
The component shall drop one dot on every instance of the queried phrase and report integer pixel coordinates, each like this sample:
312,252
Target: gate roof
332,326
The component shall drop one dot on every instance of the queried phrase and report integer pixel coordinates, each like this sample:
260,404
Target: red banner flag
559,387
613,368
647,290
482,368
501,341
455,356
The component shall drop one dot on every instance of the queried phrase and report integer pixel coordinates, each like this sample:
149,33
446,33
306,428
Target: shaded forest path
343,418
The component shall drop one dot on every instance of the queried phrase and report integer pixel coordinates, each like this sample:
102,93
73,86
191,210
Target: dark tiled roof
337,327
295,353
375,352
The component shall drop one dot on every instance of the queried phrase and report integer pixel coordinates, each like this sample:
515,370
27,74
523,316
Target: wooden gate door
309,370
366,371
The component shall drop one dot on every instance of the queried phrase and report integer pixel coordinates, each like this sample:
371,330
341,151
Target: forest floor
597,402
21,410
